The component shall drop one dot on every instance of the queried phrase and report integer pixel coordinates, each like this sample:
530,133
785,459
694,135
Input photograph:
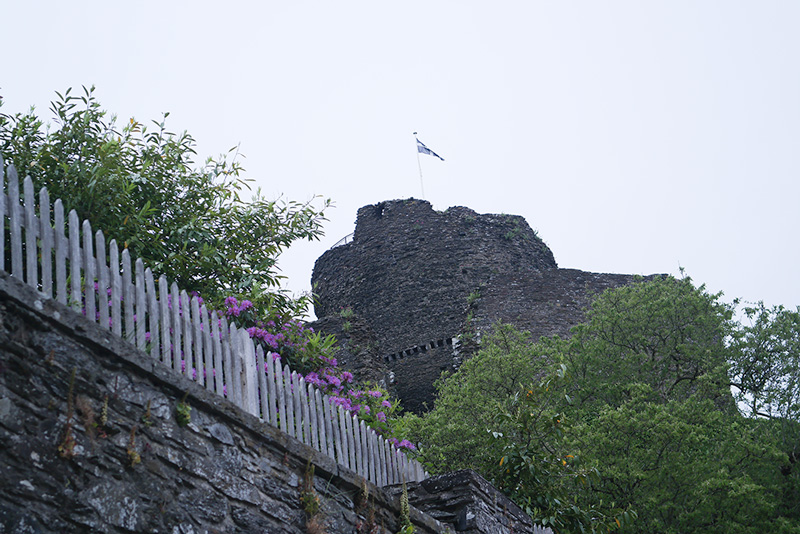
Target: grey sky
636,137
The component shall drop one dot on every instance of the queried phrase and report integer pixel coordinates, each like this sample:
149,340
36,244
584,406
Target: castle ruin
416,279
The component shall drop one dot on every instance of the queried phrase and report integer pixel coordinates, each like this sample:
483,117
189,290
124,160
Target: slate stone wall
90,442
416,276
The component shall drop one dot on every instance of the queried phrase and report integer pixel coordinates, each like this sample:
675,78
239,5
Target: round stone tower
413,279
410,272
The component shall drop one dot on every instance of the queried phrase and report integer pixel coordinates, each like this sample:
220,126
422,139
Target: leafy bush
142,187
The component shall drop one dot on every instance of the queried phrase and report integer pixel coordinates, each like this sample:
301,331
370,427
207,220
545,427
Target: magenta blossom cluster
235,308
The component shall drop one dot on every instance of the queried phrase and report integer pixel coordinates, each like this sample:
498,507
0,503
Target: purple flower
386,404
407,445
380,416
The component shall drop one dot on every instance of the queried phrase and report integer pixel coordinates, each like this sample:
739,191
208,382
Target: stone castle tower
414,277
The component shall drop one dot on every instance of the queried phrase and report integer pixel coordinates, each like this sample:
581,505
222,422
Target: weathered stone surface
418,278
467,501
63,468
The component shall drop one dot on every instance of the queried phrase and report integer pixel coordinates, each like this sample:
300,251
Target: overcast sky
636,136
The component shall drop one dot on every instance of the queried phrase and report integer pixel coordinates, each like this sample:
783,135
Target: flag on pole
425,150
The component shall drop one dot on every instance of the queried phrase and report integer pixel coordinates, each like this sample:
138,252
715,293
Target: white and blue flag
425,150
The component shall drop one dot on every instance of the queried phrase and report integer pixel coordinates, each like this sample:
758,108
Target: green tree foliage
539,468
664,333
502,414
142,188
643,413
471,403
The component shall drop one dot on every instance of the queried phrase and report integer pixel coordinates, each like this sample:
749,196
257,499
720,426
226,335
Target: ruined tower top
416,277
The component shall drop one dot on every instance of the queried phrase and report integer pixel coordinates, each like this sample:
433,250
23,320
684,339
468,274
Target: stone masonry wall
90,442
417,276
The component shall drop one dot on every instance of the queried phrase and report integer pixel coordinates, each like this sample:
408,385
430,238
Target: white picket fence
78,269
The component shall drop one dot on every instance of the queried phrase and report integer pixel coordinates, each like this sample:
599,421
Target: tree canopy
631,423
141,186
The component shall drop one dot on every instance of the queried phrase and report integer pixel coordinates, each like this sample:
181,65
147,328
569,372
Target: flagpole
421,184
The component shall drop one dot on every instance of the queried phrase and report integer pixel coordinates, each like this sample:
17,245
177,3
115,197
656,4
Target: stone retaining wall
91,441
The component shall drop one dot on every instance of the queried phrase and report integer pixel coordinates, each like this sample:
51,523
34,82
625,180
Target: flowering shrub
310,354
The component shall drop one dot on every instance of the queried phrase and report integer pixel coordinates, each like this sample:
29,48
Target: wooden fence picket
61,245
208,348
177,330
342,449
128,296
280,395
102,279
250,375
236,377
3,197
153,314
216,338
327,413
289,401
298,410
140,305
89,268
262,384
313,421
31,265
322,434
46,233
197,336
166,315
186,330
74,260
272,395
15,223
306,409
116,288
227,358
